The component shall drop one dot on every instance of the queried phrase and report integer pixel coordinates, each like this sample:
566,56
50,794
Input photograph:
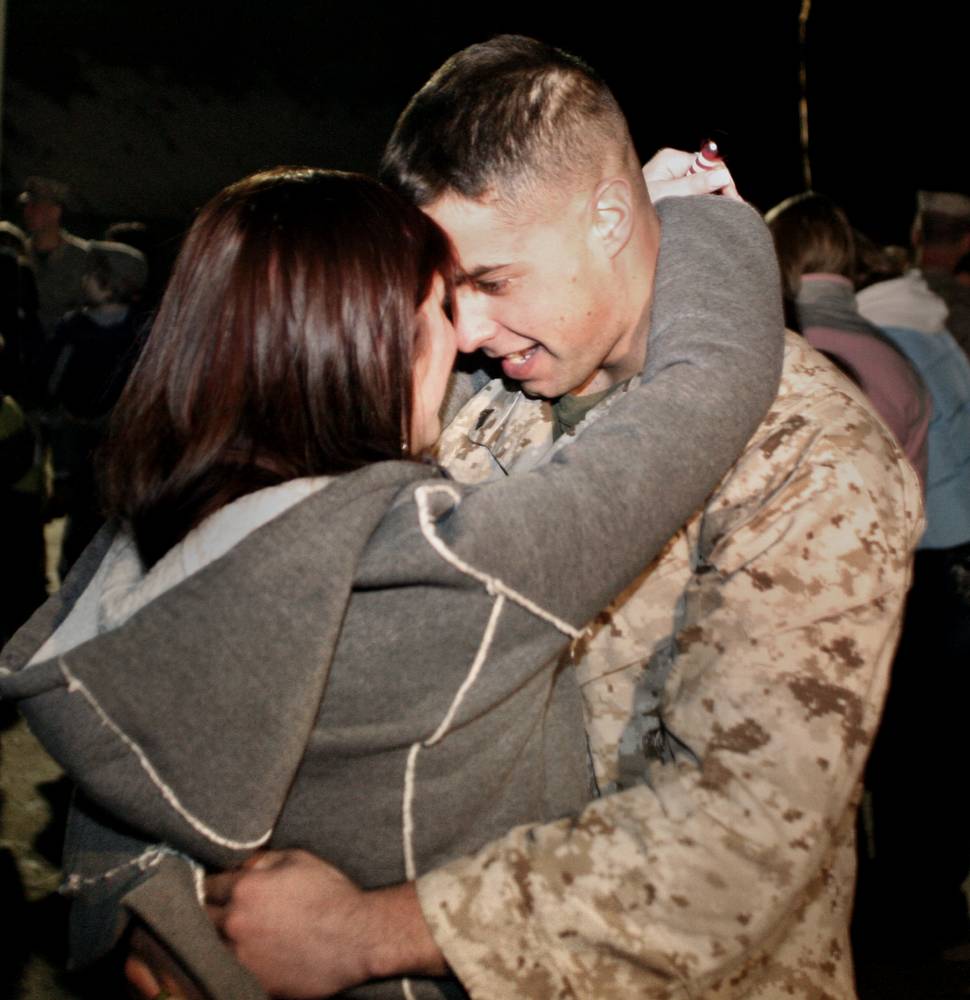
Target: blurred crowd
72,314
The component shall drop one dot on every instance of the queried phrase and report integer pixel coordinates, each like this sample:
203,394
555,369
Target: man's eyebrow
476,273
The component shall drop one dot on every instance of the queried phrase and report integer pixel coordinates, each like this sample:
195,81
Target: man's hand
305,930
666,174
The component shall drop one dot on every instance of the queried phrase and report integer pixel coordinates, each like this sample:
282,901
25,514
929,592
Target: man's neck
630,355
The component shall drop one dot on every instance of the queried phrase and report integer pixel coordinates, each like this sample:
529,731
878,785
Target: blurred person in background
19,324
91,354
140,236
941,240
58,257
816,251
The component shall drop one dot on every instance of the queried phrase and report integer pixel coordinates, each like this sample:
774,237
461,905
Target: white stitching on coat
75,685
492,584
488,635
150,857
410,868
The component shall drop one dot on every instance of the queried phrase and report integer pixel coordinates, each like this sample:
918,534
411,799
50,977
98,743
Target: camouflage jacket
731,696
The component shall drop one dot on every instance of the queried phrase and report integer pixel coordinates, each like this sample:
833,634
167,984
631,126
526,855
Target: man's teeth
517,357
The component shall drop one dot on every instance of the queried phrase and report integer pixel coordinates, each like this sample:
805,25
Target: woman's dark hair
812,236
283,347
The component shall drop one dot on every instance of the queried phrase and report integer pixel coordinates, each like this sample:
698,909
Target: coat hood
124,677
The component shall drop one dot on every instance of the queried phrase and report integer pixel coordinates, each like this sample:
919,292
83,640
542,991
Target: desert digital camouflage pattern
731,694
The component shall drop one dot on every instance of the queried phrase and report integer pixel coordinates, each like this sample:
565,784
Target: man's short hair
500,118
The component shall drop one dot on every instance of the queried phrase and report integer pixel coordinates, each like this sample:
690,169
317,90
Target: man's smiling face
536,294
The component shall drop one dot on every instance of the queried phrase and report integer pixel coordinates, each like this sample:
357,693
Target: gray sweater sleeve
573,533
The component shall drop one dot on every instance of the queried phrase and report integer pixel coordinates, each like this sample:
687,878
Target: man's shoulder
823,433
811,386
499,429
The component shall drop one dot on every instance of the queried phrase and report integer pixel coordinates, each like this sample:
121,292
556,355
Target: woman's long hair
283,347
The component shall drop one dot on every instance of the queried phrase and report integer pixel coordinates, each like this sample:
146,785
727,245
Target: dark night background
149,108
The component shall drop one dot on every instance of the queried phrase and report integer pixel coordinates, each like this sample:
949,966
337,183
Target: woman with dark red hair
296,630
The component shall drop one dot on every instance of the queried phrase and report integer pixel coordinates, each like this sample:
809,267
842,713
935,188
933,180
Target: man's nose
473,325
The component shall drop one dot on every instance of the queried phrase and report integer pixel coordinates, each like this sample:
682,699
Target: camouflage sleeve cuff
480,911
554,910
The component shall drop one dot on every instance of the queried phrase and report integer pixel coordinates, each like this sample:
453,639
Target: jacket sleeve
645,462
691,884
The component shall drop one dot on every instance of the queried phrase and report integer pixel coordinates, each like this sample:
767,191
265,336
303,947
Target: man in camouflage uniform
767,627
731,695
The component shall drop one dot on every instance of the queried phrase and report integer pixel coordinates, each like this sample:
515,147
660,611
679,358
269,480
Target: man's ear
612,214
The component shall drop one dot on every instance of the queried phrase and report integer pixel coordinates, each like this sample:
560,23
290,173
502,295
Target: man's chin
538,388
541,386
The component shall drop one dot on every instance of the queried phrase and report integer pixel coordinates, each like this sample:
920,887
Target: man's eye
492,287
